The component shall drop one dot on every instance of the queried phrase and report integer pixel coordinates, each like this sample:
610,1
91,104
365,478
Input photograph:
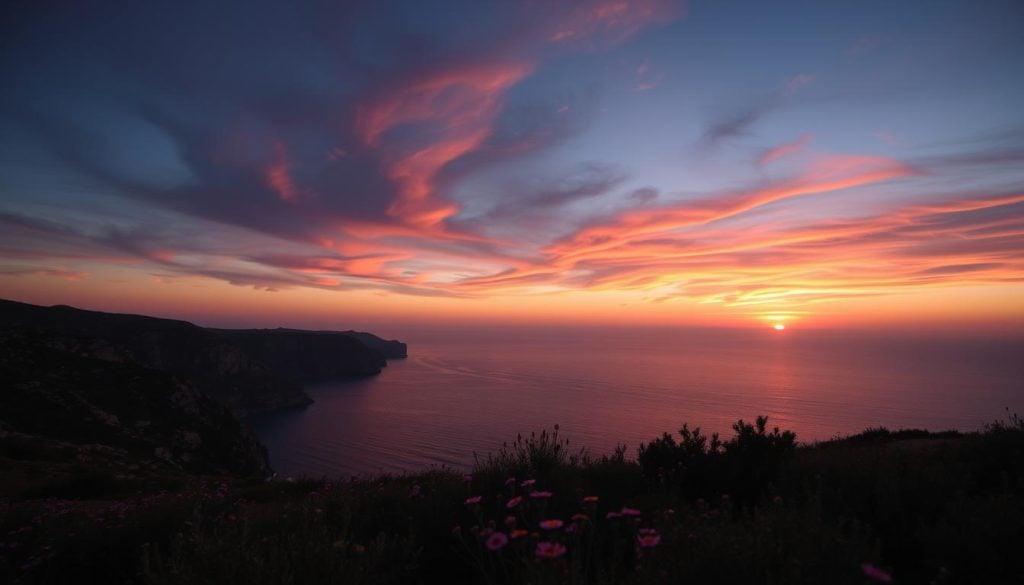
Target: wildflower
580,517
875,573
540,495
553,524
648,538
513,502
591,499
528,482
549,550
473,500
612,515
510,521
510,481
496,541
518,533
570,529
630,512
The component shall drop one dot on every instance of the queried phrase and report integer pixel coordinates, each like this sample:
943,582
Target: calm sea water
465,391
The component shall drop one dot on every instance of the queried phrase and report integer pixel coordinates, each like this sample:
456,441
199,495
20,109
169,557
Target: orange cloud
825,175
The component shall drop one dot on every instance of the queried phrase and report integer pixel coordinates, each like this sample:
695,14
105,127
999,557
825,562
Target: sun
779,326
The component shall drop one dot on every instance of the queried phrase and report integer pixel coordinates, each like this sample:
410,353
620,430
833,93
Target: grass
902,506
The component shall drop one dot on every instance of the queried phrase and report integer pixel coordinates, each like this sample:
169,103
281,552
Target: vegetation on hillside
900,507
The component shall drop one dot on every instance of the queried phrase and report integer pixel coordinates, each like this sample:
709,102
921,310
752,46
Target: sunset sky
733,163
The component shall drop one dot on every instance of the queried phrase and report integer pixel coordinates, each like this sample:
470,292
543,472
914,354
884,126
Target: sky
334,164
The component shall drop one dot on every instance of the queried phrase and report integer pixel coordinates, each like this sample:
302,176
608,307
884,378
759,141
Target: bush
699,466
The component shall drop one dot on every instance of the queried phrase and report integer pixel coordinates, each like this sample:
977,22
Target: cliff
306,356
212,364
389,348
247,370
62,412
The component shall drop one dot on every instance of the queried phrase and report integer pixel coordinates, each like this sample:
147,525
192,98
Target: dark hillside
118,418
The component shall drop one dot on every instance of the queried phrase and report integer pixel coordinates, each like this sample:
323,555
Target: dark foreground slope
63,415
909,507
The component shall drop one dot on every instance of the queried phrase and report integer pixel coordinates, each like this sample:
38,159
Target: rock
161,419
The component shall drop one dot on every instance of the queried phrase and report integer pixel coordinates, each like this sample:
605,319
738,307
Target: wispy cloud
783,150
738,122
863,45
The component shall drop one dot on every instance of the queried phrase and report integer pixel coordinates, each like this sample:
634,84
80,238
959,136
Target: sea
463,392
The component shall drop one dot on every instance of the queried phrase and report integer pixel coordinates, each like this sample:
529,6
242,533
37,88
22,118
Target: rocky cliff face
306,356
389,348
114,414
211,363
132,395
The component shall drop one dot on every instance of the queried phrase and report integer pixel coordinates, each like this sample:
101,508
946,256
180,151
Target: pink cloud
784,150
611,22
457,107
278,175
827,174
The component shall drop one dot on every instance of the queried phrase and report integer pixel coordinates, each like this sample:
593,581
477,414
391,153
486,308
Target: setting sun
779,326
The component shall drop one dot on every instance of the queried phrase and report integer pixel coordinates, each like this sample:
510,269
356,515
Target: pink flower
630,512
580,517
513,502
553,524
591,499
540,494
470,501
510,521
496,541
549,550
648,538
876,573
612,515
519,533
528,482
510,481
